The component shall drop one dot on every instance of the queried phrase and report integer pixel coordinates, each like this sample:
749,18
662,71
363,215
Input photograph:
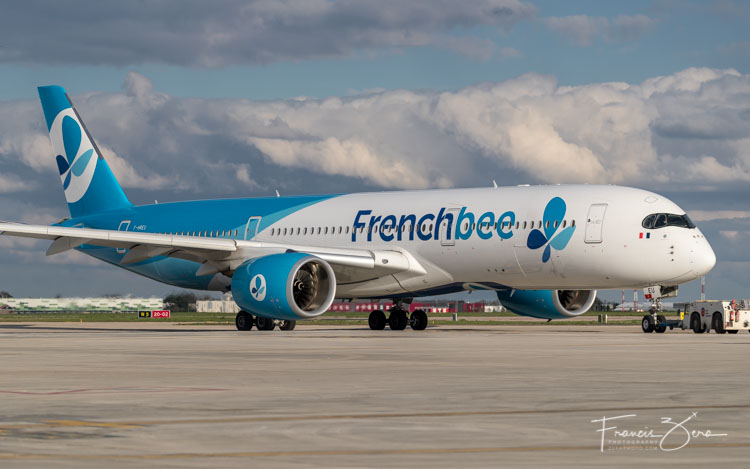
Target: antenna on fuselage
494,183
277,193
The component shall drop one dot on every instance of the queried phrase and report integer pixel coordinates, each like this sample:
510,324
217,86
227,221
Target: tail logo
554,213
258,288
76,159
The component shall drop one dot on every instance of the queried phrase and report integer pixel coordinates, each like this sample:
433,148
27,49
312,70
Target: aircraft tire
377,320
265,324
733,331
418,320
287,325
397,320
660,327
243,321
647,324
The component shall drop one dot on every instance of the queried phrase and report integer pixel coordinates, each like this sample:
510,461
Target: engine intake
288,286
547,304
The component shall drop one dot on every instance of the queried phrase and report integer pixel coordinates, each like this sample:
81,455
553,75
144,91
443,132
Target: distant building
79,305
217,306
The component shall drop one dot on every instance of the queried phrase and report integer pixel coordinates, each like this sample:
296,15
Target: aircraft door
251,229
595,223
446,230
124,225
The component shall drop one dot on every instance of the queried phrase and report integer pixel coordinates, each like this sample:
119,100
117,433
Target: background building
79,305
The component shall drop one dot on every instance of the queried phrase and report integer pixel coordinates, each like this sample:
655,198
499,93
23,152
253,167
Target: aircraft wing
216,254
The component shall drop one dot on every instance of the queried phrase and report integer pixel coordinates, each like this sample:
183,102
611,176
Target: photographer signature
674,429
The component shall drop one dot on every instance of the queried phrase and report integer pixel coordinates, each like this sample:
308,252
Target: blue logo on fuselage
554,213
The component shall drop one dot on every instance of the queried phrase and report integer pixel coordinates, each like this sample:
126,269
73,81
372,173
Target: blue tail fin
89,185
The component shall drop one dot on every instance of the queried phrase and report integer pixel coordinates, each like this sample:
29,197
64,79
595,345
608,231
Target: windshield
660,220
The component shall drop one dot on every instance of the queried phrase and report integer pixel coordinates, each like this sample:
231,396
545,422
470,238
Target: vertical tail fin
89,185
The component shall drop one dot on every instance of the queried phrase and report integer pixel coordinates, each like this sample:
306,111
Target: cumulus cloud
9,185
688,127
706,215
585,30
211,34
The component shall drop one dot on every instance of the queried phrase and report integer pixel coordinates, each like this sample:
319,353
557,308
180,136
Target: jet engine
547,304
289,286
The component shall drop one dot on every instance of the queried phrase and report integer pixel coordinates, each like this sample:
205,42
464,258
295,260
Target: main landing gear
398,319
245,322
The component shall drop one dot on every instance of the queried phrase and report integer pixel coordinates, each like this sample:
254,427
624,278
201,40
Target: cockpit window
660,220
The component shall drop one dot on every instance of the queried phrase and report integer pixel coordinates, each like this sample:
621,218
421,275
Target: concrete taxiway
134,395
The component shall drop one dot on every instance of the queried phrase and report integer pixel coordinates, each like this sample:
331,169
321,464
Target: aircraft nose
703,258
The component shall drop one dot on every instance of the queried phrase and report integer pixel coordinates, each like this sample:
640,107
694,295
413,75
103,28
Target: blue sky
207,76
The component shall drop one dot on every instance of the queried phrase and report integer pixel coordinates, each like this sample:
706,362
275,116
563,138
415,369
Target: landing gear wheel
647,324
265,324
418,320
717,324
243,321
397,320
695,323
733,331
286,325
660,324
377,320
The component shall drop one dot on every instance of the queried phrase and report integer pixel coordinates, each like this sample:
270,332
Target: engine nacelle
290,286
547,304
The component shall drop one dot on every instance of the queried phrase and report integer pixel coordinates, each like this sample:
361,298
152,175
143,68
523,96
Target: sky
193,99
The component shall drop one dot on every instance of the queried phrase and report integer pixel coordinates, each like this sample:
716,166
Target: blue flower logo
258,287
552,220
76,160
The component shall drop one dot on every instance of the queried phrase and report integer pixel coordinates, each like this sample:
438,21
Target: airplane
545,250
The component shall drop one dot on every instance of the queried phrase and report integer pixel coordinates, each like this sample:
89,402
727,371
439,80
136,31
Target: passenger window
573,223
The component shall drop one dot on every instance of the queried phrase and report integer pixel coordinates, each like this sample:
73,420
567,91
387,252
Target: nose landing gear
653,322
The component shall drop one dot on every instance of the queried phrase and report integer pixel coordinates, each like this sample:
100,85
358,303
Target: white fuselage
609,247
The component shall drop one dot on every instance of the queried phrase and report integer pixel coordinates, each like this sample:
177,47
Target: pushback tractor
720,316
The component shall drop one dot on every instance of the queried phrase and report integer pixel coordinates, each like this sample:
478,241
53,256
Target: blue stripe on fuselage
183,217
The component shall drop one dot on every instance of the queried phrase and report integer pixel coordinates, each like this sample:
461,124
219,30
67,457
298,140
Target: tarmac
167,395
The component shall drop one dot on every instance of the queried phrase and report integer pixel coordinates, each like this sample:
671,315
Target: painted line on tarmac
352,452
298,418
